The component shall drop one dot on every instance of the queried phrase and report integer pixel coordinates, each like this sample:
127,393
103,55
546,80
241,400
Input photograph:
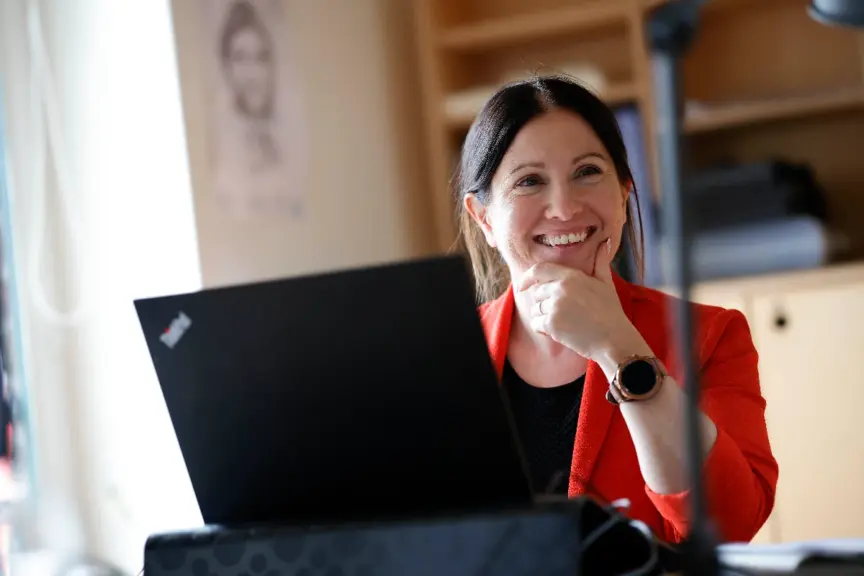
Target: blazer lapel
497,317
595,415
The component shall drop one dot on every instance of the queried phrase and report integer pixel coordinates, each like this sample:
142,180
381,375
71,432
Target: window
13,397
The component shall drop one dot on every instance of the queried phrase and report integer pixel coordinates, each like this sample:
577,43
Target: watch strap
612,397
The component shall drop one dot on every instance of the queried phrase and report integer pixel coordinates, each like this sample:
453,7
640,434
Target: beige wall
108,468
366,188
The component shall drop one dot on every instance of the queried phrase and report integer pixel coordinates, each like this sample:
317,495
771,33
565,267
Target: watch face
639,377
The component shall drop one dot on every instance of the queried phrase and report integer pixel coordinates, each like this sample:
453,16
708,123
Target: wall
366,189
108,468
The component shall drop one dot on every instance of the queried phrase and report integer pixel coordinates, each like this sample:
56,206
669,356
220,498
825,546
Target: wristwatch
637,378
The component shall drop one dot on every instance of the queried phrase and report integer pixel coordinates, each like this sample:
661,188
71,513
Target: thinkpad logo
175,331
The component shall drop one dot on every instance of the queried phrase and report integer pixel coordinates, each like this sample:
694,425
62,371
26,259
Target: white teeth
564,239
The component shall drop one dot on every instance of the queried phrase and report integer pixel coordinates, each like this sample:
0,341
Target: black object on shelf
753,193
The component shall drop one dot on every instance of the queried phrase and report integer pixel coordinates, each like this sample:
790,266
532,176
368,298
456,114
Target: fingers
542,306
539,324
540,274
603,262
543,297
537,308
545,291
538,319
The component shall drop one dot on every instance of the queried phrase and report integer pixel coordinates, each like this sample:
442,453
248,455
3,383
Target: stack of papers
787,558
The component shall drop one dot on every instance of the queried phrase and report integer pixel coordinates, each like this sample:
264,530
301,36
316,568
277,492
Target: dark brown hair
489,138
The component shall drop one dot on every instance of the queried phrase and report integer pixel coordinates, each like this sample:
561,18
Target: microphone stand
671,28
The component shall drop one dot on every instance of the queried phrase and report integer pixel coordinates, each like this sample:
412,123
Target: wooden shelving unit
729,116
505,31
762,81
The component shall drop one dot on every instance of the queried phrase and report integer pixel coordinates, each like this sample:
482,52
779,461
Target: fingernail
609,246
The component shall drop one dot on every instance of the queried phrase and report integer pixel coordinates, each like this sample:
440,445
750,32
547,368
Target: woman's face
554,198
249,69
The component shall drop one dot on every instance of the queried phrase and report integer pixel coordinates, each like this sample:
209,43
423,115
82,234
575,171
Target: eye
529,181
589,173
588,170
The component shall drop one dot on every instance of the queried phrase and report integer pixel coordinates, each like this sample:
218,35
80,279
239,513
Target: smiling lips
569,239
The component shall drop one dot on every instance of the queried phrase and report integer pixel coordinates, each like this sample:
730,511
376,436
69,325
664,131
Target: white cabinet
811,346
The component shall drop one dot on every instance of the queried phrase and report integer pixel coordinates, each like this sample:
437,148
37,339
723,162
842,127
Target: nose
564,203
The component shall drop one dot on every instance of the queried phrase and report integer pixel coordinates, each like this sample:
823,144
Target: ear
625,196
480,214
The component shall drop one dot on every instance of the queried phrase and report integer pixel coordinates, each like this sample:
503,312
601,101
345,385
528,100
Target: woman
543,187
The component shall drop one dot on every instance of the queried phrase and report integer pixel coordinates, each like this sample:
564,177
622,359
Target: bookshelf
762,81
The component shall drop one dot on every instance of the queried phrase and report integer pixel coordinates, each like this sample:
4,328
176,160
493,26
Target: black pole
671,28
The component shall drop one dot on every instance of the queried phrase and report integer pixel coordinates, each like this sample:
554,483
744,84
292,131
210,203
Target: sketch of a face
247,59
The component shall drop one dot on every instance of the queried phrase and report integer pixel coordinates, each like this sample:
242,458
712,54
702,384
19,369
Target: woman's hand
582,312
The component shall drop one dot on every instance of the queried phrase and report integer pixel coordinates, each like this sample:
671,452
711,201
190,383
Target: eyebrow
541,164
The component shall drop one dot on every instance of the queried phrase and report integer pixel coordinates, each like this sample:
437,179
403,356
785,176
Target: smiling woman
583,355
499,154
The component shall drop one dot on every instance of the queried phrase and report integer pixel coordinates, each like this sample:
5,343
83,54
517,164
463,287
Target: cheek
613,213
515,219
613,209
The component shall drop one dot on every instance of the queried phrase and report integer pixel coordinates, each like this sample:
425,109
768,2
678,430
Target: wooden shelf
614,95
459,122
620,94
737,115
525,28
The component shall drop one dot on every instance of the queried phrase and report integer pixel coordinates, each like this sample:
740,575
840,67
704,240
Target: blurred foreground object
838,12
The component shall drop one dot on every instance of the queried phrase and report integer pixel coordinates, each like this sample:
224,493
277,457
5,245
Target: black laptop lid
354,395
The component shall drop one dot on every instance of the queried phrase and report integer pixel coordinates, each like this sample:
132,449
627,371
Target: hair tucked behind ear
490,273
489,138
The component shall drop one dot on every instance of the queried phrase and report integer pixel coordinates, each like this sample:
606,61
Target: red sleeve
740,471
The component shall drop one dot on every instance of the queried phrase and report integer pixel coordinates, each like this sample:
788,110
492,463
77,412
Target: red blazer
740,471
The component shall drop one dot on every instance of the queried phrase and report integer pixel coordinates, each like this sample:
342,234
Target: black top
545,421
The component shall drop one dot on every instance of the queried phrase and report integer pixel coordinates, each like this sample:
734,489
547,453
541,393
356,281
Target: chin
579,256
576,264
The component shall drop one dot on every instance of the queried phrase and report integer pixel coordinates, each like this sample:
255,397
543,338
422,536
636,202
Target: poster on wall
255,130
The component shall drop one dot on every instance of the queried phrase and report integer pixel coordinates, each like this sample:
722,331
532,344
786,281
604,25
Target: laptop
357,395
